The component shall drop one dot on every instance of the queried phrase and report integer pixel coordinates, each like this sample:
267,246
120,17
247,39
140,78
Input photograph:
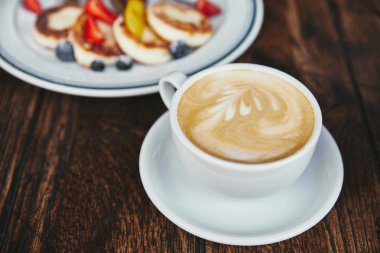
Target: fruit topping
64,51
207,8
124,62
134,17
33,6
178,49
97,9
98,65
92,32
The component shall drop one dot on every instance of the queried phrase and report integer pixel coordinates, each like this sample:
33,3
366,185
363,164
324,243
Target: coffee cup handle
168,86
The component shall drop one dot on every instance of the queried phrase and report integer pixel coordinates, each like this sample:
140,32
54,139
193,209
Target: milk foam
246,116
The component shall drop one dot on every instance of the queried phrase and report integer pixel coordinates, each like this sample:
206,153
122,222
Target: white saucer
235,29
206,214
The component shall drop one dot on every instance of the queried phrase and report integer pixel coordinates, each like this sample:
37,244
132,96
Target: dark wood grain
357,23
313,51
69,179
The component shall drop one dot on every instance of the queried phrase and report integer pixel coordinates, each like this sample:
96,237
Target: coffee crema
246,116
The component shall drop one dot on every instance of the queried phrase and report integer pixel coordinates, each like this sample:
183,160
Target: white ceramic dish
230,178
207,214
22,57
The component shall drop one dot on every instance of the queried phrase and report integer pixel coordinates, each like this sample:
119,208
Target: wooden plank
79,186
18,113
300,37
358,26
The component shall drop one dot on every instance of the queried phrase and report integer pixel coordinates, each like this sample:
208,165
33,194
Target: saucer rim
225,238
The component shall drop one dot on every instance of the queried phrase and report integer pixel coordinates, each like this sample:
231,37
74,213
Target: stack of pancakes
166,22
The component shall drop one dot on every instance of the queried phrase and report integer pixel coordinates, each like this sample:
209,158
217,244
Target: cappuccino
246,116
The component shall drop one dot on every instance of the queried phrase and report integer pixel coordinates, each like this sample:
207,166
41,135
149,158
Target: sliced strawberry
92,32
33,6
97,9
207,8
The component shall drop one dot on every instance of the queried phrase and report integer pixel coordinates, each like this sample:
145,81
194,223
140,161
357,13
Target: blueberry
124,62
178,49
98,65
64,51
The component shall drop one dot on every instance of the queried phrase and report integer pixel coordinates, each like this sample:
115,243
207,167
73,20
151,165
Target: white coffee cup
234,179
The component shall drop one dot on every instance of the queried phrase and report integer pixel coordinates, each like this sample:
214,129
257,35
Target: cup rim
236,166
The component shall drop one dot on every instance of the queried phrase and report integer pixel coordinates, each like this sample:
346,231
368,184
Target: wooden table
69,179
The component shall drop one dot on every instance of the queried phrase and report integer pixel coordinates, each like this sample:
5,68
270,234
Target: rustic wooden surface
69,179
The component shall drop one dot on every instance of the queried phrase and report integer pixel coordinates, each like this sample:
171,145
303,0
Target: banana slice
149,49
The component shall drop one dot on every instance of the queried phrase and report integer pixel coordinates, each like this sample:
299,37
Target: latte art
246,116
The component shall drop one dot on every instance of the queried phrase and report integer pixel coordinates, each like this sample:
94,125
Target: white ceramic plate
207,214
235,30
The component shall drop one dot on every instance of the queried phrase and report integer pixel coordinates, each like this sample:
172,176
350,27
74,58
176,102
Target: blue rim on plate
12,65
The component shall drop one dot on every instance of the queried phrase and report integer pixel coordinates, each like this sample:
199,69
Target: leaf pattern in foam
231,101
